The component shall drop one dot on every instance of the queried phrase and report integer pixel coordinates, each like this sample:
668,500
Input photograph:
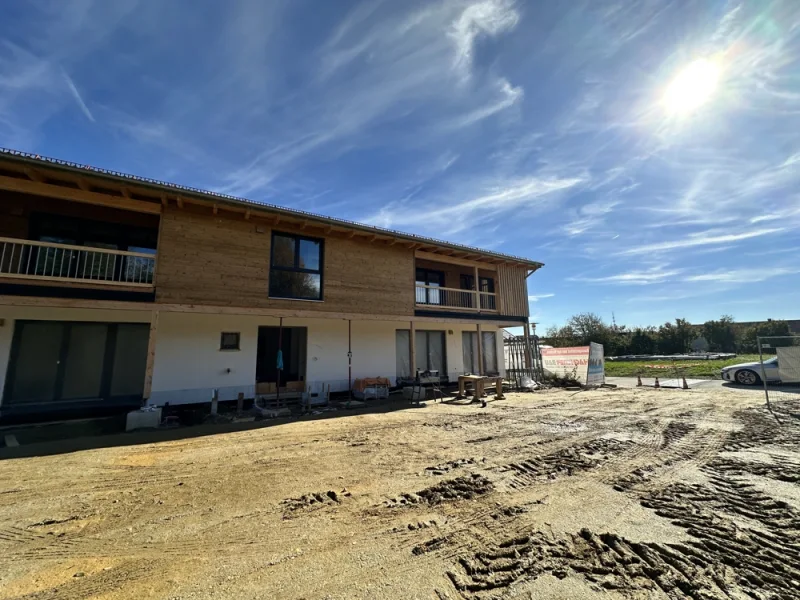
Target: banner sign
566,362
584,363
596,374
788,364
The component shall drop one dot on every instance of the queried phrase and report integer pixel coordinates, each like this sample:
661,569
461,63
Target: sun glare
692,87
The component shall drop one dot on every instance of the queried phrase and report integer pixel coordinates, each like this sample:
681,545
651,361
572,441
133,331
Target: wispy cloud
745,275
537,297
489,18
77,95
494,203
702,238
646,277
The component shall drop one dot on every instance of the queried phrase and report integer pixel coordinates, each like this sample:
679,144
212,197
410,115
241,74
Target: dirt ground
628,493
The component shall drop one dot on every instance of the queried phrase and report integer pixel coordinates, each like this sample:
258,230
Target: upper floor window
295,267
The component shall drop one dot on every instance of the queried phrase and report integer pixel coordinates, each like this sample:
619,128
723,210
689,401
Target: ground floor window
431,355
469,346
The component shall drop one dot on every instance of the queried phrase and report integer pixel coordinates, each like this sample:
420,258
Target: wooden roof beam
180,202
84,185
247,215
34,175
15,184
125,192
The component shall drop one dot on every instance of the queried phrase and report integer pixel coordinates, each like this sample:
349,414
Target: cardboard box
266,388
295,386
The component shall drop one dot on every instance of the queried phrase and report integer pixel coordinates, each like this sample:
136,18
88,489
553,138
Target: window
296,267
428,279
469,344
488,301
229,340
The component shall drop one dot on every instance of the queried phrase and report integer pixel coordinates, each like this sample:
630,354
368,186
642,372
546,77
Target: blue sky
534,128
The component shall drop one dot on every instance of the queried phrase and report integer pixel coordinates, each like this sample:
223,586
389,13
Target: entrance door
293,345
59,362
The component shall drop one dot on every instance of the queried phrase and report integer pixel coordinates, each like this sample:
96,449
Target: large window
469,344
296,267
427,282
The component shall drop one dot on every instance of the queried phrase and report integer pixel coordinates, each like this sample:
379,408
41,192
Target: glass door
58,361
35,362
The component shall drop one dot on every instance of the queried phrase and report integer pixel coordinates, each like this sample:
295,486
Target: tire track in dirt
92,585
744,542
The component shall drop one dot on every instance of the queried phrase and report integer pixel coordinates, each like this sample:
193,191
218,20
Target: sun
692,87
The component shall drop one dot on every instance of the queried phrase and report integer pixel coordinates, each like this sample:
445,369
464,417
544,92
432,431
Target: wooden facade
218,260
512,290
215,252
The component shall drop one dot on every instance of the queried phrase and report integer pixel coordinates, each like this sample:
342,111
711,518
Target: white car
750,373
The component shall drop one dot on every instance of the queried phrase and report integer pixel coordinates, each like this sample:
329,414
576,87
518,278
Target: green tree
675,338
643,341
720,335
748,341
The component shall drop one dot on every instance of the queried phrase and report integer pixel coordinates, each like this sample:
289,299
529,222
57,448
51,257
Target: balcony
435,297
35,261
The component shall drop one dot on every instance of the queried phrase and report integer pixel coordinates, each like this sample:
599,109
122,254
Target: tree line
680,336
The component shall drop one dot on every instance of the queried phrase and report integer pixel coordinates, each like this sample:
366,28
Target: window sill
294,299
230,349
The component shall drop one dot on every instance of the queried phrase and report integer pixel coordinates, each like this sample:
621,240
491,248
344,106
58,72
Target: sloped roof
35,160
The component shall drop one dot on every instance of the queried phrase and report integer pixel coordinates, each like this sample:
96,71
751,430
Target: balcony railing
49,261
432,296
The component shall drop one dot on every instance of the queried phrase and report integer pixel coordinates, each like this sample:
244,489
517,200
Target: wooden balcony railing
431,296
49,261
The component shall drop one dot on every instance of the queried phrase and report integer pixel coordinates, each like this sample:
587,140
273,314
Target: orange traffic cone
638,381
657,385
685,385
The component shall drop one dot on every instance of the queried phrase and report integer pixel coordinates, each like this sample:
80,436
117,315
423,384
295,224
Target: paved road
701,384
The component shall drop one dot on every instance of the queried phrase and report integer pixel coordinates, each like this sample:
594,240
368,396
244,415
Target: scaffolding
523,360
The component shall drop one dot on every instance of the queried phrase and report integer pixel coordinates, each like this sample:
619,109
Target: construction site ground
613,493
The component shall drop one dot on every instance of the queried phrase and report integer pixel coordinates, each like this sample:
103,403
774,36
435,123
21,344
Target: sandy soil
614,493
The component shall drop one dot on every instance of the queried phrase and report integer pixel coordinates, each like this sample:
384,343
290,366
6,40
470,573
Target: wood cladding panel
222,260
512,290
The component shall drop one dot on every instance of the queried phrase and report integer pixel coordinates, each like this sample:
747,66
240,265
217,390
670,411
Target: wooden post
477,291
527,350
480,350
151,357
412,347
240,403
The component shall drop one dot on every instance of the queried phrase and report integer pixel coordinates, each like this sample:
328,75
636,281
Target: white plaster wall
189,364
10,314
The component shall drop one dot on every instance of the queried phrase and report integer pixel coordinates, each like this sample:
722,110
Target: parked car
750,373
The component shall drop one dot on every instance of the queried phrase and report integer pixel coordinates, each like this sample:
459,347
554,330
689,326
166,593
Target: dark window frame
296,268
230,347
427,291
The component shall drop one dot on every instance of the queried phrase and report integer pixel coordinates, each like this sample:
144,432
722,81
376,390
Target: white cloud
490,18
646,277
496,201
702,238
745,275
538,297
76,94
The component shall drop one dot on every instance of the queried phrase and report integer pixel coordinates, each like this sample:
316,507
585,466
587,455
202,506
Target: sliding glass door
57,361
